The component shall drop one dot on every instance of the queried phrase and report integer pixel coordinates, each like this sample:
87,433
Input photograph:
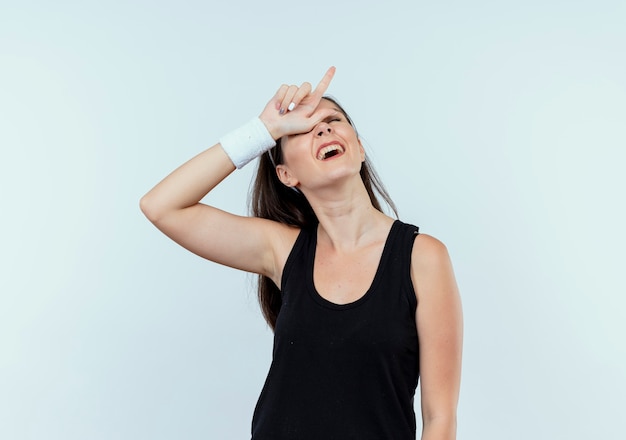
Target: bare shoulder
279,237
284,235
431,267
428,250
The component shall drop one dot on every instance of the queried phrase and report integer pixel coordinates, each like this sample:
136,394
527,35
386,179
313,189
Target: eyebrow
329,117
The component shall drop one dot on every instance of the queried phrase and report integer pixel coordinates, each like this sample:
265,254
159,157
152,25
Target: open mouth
329,151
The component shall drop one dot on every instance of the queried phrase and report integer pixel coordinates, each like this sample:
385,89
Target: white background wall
498,127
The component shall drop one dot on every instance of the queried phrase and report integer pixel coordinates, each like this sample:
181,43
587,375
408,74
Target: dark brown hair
272,200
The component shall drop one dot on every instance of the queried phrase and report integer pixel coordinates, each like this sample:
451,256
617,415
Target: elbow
439,428
149,208
441,425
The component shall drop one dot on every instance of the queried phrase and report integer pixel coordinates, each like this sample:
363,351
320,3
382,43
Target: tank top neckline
319,299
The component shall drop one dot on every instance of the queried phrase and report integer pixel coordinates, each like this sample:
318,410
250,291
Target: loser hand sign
292,109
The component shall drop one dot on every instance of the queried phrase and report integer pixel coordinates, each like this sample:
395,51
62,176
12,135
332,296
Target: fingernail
291,106
281,111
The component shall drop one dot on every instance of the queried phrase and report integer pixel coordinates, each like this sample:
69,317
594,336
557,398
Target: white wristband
247,142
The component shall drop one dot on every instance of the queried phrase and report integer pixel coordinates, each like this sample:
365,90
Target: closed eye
334,119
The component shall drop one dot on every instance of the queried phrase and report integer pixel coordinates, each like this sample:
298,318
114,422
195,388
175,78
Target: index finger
324,83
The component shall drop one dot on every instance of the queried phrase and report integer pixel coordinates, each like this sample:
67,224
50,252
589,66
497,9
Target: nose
323,128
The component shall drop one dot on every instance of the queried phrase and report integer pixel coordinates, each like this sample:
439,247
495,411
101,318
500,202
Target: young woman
361,304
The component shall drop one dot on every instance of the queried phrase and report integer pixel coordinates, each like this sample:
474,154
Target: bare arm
439,325
173,206
251,244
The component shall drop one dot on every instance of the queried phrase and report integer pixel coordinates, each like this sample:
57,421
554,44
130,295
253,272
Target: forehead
326,103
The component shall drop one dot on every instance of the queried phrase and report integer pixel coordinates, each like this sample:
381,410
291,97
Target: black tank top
343,371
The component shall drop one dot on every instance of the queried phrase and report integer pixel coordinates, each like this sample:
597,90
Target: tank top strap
399,266
299,253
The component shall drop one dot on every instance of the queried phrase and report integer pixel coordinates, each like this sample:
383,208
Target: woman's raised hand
292,109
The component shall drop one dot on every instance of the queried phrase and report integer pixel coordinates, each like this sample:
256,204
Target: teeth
323,153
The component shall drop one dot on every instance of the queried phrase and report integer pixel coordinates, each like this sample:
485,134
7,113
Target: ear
285,176
362,150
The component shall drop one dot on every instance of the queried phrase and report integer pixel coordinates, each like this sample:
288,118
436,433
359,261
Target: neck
347,218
